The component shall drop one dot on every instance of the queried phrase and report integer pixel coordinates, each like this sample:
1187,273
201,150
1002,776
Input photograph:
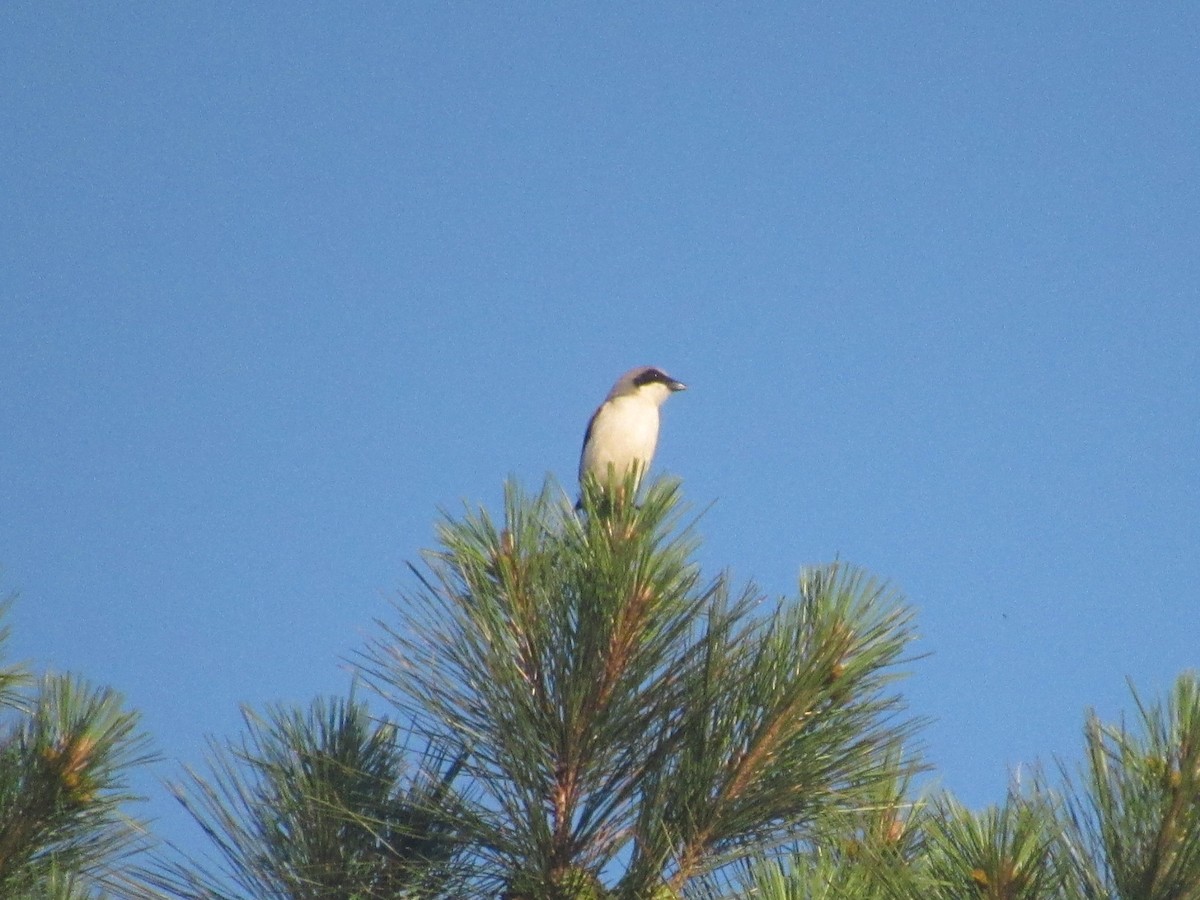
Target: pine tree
1132,829
318,804
1125,827
66,750
628,729
588,718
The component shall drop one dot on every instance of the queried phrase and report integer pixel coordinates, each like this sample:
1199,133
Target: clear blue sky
278,282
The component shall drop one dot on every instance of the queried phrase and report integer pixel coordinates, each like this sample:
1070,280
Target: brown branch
744,770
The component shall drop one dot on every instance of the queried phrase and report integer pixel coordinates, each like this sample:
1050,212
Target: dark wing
587,436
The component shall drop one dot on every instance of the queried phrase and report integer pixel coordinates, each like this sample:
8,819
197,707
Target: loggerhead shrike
623,432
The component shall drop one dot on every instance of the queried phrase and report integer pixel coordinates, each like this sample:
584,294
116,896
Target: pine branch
318,803
1006,852
792,720
617,713
63,770
1133,821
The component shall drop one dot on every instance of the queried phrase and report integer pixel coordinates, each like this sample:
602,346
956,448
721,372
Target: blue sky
279,283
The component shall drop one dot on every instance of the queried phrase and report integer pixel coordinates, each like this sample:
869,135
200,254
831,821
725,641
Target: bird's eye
649,376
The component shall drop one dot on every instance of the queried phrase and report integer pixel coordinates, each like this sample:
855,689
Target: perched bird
623,432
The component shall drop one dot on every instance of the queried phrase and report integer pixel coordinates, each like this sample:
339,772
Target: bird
623,432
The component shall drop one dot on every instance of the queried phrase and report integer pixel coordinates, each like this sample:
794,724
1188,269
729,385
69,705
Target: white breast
624,432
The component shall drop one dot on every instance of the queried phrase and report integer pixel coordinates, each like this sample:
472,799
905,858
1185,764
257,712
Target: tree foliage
318,804
584,716
629,728
1133,823
66,750
1126,826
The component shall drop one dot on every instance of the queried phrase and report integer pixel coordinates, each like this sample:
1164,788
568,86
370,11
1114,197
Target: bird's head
649,382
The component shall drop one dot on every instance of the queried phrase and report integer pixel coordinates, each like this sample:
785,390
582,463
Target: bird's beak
676,385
